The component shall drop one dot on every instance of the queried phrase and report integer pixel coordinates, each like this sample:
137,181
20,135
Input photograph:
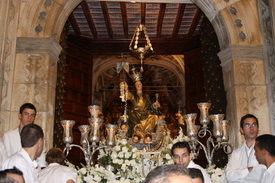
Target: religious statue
161,130
181,122
143,115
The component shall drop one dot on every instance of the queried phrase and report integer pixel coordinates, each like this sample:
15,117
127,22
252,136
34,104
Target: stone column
245,84
35,81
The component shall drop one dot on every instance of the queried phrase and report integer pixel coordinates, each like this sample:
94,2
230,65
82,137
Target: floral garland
132,165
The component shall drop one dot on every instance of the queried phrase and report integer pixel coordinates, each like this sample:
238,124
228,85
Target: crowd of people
22,158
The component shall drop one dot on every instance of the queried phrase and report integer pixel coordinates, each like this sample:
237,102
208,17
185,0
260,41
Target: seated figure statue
143,115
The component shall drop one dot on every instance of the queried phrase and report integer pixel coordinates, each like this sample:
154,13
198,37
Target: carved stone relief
7,62
267,26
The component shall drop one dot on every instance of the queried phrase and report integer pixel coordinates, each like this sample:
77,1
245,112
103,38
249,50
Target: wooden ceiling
107,27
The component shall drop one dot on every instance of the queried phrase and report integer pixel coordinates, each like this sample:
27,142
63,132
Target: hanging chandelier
140,52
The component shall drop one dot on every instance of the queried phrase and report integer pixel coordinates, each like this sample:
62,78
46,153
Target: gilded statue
143,115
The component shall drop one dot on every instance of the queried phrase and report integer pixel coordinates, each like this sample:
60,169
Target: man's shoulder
239,149
192,164
11,132
16,158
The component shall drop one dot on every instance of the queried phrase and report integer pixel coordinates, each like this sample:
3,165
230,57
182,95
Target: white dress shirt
269,174
240,159
203,171
23,162
56,173
12,142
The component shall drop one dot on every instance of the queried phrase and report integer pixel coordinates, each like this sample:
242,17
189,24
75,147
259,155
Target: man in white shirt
32,146
181,153
265,154
56,171
12,140
243,165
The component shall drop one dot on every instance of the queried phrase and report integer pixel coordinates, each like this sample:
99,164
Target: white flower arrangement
132,165
217,175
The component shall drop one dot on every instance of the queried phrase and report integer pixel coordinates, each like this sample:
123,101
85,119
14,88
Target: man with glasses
243,165
181,153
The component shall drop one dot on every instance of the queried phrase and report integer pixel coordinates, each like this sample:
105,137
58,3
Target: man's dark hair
266,142
30,134
14,170
162,173
182,144
196,173
27,106
6,179
248,116
55,155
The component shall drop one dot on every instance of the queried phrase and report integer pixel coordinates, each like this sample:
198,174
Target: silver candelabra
219,132
90,135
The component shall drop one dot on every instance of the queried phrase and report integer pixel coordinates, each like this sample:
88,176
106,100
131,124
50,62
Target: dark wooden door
77,96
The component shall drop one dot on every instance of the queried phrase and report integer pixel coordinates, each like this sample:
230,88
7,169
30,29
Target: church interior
64,57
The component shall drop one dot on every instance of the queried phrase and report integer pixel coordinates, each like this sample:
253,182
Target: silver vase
217,128
84,130
111,132
67,131
95,124
204,116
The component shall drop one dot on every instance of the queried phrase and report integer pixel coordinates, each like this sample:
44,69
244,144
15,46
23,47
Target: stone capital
38,46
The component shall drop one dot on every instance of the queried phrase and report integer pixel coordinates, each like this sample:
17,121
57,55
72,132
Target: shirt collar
271,168
24,153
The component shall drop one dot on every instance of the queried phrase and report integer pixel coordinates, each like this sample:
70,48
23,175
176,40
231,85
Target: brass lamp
140,52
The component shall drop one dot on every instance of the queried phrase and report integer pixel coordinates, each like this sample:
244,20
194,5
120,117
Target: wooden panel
195,91
194,81
77,95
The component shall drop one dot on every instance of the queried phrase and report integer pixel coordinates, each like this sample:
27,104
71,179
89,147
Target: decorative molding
38,28
47,3
42,15
241,52
242,35
39,46
238,23
233,10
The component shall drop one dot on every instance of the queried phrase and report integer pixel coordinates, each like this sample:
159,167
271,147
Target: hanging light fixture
140,52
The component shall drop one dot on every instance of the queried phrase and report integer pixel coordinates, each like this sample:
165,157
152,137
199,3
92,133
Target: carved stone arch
45,18
233,21
212,12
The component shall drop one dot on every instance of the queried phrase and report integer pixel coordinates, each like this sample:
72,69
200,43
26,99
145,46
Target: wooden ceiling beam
74,24
195,22
160,19
107,18
124,19
165,46
89,18
178,20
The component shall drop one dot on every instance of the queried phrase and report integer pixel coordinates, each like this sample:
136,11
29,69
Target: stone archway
28,71
240,38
